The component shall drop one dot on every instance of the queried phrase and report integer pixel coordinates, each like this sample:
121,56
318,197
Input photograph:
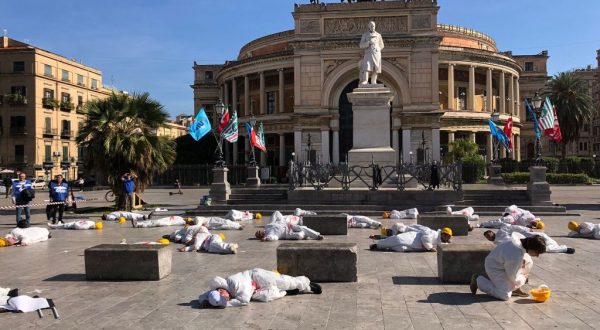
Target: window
80,80
94,84
270,102
48,93
65,98
79,100
66,128
19,153
47,70
20,90
65,154
208,75
48,153
529,66
527,113
47,124
65,75
17,121
19,66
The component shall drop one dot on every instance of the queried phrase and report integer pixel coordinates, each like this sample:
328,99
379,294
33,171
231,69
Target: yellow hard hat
222,236
3,242
386,215
447,231
258,216
189,221
99,225
122,219
574,226
163,241
539,224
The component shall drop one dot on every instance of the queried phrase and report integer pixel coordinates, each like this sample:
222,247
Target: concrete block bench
320,262
458,223
122,262
327,224
457,262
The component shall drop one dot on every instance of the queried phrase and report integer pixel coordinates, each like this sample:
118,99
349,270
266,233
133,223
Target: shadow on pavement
416,280
525,301
455,298
67,278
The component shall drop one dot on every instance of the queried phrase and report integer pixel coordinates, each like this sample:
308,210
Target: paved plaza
394,290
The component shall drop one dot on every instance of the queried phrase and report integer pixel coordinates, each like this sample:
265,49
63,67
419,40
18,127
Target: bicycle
110,196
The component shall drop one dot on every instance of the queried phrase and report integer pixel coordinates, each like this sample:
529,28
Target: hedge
552,178
473,168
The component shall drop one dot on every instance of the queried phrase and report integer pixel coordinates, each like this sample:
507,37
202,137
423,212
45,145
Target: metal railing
321,176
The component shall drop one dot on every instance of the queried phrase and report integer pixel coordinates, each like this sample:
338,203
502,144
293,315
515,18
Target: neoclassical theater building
447,79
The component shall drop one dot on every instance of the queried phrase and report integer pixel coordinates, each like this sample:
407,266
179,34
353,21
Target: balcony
66,106
19,130
15,99
49,131
79,108
66,134
50,103
80,84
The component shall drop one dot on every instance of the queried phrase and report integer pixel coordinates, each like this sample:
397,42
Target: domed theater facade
447,80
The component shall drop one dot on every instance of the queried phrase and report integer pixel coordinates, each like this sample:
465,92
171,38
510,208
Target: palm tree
574,106
119,136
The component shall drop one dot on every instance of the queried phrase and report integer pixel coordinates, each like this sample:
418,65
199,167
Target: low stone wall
123,262
320,262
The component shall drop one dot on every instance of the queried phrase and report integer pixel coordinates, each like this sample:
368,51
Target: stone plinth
495,175
253,179
220,188
327,224
538,188
457,262
320,262
371,126
123,262
458,223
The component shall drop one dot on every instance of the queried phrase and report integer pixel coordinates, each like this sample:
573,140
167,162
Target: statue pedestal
371,126
537,188
220,188
495,176
253,179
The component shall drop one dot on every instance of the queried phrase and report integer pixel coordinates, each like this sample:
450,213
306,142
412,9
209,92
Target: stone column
281,92
502,93
395,143
226,91
450,140
471,90
336,146
325,146
406,146
246,95
435,144
222,92
518,147
263,105
281,149
472,137
451,101
513,154
511,94
235,153
298,145
234,95
489,91
489,150
517,99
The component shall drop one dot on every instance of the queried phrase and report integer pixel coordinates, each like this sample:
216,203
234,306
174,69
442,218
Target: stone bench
123,262
457,262
327,224
320,262
458,223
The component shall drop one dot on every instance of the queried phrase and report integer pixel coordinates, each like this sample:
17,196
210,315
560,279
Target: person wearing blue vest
129,189
22,195
59,191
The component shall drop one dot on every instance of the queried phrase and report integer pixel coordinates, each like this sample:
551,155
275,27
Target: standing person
178,186
508,267
129,189
59,191
7,183
81,182
22,194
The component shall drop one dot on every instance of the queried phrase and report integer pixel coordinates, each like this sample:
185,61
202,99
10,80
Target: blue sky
150,45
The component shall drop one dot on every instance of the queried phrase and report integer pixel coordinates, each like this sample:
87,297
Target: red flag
508,131
224,121
554,133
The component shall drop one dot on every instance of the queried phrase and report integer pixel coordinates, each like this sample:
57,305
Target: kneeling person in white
414,241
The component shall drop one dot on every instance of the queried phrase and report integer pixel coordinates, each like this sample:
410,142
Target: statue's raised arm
371,63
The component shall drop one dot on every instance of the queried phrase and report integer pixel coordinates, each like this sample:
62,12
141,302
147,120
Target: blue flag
499,134
536,125
200,125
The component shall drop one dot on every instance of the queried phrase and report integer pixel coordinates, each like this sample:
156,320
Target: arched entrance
346,126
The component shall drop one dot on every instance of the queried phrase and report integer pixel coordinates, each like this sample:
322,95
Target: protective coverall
216,223
127,215
411,241
300,212
174,220
28,236
236,215
287,228
76,225
586,230
205,241
406,214
359,221
508,232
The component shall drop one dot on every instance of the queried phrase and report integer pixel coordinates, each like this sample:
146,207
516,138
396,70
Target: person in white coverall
255,284
406,214
286,228
506,232
216,223
27,236
508,267
584,230
514,216
173,220
414,240
77,225
203,240
7,293
300,212
113,216
359,221
11,301
236,215
469,212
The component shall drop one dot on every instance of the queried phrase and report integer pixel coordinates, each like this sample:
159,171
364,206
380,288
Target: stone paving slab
394,291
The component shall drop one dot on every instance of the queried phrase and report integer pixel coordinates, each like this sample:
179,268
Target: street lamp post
253,178
537,107
220,188
495,116
252,162
538,188
220,109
